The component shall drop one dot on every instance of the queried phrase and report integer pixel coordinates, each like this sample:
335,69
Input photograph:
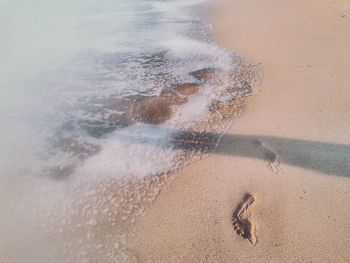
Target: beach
175,131
289,151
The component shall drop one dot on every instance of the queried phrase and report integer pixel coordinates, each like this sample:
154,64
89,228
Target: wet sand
277,188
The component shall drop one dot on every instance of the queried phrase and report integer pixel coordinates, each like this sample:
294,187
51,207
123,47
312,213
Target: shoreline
288,150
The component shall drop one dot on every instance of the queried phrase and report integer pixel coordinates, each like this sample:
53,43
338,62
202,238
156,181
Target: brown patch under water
153,110
187,89
158,109
205,74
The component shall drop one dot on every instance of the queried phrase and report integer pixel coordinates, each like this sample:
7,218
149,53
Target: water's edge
97,132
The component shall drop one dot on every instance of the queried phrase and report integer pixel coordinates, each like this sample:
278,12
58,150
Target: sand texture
278,187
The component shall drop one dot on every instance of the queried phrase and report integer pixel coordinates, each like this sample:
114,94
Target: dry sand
290,150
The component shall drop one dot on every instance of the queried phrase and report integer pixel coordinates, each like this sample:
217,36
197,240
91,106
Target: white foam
67,63
80,50
137,150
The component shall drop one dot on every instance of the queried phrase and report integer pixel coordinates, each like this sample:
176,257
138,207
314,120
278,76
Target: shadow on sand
327,158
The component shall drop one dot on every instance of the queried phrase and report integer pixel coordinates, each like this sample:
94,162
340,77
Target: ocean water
100,93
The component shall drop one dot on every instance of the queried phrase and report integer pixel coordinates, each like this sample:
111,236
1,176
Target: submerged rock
153,110
205,74
187,89
158,109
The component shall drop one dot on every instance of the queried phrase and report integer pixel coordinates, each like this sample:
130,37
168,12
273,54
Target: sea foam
100,102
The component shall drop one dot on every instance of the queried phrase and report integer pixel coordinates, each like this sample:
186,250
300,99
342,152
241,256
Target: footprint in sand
272,161
270,157
242,221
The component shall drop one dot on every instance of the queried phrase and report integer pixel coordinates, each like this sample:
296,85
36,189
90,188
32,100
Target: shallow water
99,99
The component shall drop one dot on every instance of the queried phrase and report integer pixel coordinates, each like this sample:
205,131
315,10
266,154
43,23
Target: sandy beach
290,150
118,144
